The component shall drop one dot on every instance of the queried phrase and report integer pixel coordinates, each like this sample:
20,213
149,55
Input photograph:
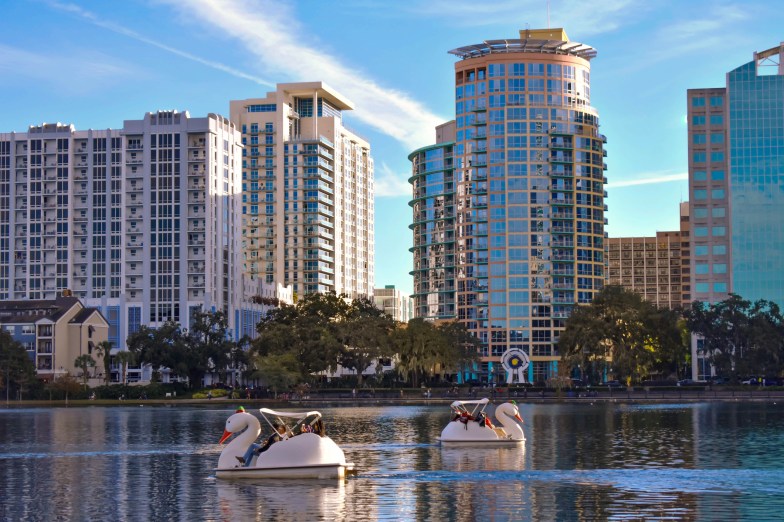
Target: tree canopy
17,370
740,338
623,333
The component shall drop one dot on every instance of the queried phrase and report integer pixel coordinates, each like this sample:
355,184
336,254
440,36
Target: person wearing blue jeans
258,449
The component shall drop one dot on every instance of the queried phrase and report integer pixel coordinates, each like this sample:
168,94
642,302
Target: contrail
93,19
649,181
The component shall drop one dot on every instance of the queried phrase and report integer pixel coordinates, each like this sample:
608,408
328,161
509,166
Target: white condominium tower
307,191
141,222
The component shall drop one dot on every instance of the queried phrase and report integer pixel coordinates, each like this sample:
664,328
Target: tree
311,330
16,368
424,348
84,362
207,346
104,351
124,358
619,330
66,384
279,371
160,348
365,334
740,337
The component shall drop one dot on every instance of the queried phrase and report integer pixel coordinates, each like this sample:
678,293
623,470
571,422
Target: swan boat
300,452
471,426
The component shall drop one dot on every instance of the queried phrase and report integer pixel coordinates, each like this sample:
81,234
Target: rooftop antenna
548,14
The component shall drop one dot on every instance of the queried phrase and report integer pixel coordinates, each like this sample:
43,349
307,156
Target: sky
96,63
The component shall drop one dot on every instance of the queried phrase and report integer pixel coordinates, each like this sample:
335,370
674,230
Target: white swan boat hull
305,455
320,471
471,428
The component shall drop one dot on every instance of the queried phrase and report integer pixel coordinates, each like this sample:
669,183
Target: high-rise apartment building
509,208
736,135
307,191
656,267
394,302
141,222
650,266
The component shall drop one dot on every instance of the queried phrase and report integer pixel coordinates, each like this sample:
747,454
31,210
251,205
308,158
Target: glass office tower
736,187
509,211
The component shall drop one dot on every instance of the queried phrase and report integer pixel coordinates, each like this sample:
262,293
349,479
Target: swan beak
226,435
518,417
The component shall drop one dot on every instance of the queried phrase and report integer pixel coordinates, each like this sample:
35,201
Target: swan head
510,409
236,423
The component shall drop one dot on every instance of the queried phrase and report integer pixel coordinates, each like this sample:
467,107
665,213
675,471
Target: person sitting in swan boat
258,449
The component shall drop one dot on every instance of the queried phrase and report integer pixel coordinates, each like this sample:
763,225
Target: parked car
754,381
771,381
718,381
691,382
613,384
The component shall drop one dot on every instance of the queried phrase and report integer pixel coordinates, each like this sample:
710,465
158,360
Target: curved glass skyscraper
509,204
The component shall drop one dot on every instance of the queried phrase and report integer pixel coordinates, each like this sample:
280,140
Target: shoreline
550,397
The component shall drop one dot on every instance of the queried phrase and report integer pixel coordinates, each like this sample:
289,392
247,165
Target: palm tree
84,362
124,358
104,350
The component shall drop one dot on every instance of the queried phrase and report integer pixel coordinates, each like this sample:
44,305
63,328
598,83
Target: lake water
607,461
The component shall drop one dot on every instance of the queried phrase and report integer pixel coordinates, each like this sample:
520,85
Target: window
698,157
717,194
700,231
700,175
700,195
266,107
700,212
718,212
719,250
717,119
720,287
698,120
717,156
698,139
701,268
717,138
717,175
702,288
698,101
720,268
719,231
701,250
717,101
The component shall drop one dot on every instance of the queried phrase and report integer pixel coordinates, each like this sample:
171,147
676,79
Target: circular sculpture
515,361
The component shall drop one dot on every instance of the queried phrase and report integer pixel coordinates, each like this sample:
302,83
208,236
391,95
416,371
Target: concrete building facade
141,222
650,266
55,332
394,302
307,198
736,191
514,202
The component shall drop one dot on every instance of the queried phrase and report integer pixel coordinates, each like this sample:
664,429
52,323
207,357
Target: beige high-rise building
650,266
656,267
307,191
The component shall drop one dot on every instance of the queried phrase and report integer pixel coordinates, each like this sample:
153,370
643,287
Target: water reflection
282,499
580,462
480,459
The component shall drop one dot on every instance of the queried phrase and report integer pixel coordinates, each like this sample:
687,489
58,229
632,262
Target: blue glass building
736,186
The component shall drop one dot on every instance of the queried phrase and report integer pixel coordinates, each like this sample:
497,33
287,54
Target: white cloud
116,28
694,34
269,31
388,183
85,70
649,179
